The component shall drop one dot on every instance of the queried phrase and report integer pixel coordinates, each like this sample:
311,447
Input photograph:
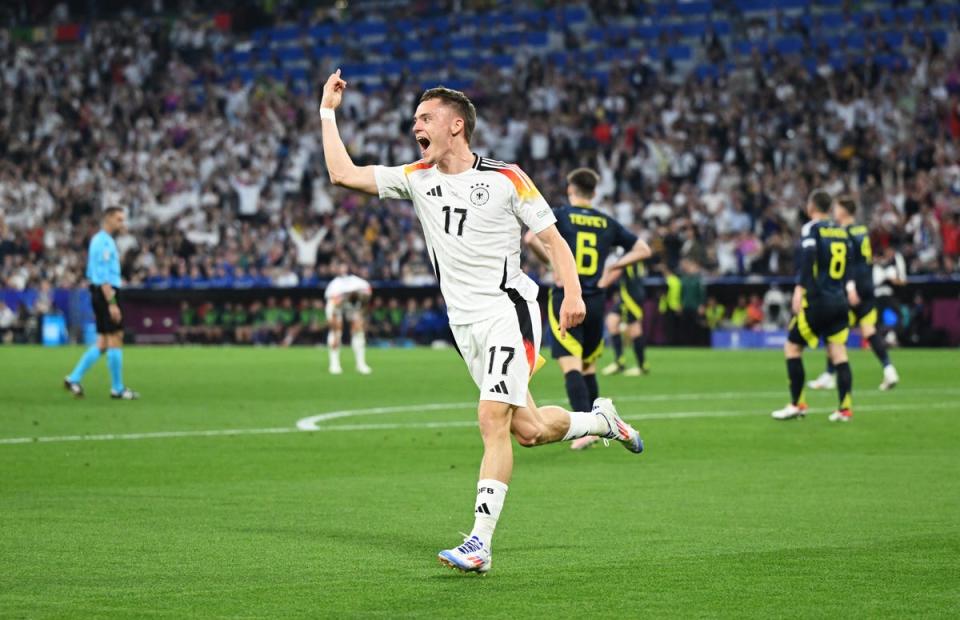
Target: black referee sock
616,341
879,349
795,373
577,391
639,349
593,390
844,385
831,369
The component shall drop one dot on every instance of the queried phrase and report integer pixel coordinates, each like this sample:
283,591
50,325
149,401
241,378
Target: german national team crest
479,194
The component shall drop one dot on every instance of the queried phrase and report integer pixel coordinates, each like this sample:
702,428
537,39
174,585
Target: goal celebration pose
472,210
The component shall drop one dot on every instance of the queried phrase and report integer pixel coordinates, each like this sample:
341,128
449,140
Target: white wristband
326,114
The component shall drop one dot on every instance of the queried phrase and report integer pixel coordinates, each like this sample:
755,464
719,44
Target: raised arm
572,309
341,168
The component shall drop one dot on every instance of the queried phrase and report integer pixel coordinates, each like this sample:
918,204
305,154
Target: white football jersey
346,285
472,223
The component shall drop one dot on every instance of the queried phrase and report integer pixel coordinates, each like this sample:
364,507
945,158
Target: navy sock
844,385
639,349
795,373
831,369
577,391
616,341
879,349
593,390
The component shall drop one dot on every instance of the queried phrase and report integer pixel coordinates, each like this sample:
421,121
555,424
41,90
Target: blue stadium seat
367,29
721,28
893,38
906,15
706,72
647,33
695,8
746,48
856,41
240,58
789,45
692,29
298,74
575,14
832,21
322,51
680,52
285,34
320,32
290,54
537,39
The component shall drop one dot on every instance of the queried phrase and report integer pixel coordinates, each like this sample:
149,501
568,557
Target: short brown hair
848,203
459,102
111,210
821,200
585,181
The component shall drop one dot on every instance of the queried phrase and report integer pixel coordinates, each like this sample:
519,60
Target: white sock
334,349
583,423
359,343
490,496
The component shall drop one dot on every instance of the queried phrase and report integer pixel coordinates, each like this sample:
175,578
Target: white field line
311,424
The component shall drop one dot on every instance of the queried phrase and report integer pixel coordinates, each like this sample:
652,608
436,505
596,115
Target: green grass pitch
728,513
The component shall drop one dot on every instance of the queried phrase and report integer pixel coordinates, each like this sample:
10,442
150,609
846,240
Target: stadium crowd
225,186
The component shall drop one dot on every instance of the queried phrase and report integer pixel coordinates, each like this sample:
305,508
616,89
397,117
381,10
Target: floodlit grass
728,513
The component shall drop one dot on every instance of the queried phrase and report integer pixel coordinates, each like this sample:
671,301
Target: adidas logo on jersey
436,191
501,388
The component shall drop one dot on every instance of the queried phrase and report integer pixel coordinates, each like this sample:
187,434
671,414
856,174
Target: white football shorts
500,352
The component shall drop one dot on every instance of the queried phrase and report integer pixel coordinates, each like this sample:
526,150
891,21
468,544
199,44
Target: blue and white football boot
470,557
619,430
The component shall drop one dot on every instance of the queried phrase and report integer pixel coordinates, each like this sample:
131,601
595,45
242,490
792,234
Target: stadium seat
647,32
290,54
694,8
832,21
680,52
285,34
893,38
691,29
789,45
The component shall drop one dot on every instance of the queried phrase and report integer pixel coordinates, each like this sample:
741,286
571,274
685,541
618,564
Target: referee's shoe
73,387
126,394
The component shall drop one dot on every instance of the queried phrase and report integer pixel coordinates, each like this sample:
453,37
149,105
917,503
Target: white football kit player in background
347,297
472,211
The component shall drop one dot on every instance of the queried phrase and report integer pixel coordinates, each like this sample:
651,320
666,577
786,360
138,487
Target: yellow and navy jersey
824,268
592,236
631,282
861,260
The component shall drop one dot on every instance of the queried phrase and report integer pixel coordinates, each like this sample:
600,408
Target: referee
103,272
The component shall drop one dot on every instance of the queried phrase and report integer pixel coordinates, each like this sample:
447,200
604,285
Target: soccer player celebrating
628,313
103,272
820,298
865,313
347,296
471,209
591,236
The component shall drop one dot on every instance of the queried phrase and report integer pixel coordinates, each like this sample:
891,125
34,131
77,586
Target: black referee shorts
101,311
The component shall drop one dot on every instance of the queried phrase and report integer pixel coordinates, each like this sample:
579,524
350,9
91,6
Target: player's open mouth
424,143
